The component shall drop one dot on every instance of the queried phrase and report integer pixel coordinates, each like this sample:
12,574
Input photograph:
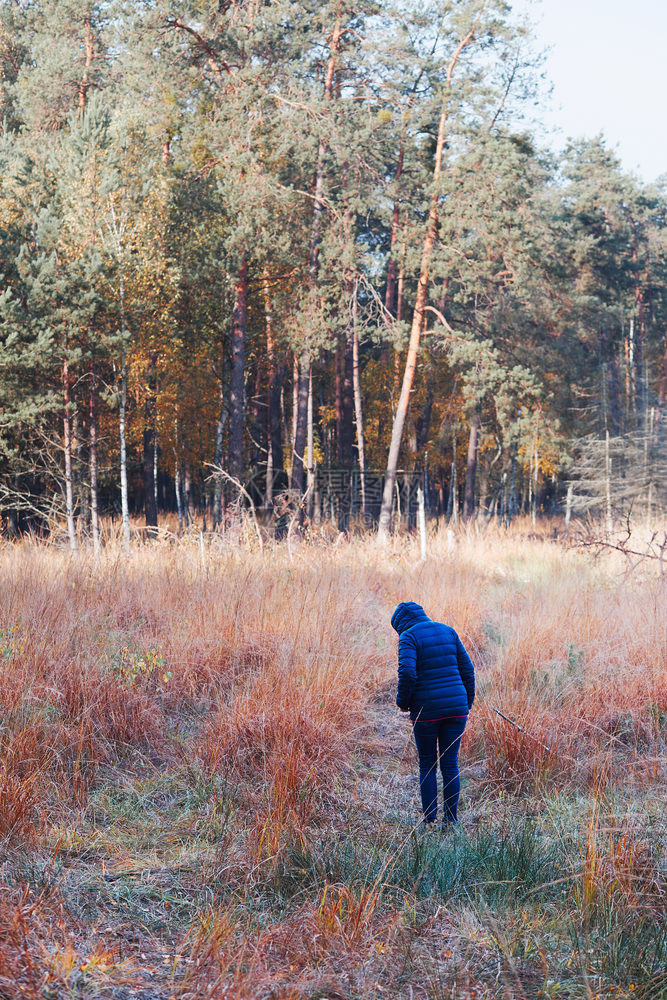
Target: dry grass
205,790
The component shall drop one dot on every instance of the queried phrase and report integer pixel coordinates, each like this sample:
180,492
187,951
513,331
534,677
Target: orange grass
259,671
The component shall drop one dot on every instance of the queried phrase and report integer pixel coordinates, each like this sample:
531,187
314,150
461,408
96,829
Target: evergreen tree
282,237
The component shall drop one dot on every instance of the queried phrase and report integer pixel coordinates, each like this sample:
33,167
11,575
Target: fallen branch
521,729
656,549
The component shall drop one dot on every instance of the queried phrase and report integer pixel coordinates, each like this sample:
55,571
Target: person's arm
466,670
407,670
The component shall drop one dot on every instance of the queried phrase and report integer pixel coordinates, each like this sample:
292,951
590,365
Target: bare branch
220,472
217,64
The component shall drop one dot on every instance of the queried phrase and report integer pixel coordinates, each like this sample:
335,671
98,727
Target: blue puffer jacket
436,678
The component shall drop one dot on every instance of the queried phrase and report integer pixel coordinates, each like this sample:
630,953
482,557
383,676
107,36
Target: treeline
262,245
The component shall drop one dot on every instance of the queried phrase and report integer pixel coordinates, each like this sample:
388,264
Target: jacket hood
406,615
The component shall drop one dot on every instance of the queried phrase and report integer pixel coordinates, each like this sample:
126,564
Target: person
436,685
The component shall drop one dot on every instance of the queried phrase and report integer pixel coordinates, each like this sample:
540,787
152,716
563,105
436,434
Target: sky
607,61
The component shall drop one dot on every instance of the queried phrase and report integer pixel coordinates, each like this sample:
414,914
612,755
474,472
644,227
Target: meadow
206,790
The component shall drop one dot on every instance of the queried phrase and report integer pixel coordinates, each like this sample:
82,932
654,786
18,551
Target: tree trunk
611,386
412,439
189,499
316,233
338,390
84,84
268,479
483,491
607,484
471,469
124,503
347,401
92,456
67,430
397,352
150,506
424,422
295,402
626,353
358,415
177,479
286,431
275,380
257,444
301,427
639,343
117,228
512,508
392,267
662,389
78,486
13,523
421,521
453,499
217,460
535,462
278,481
418,314
503,500
236,382
155,471
615,410
310,455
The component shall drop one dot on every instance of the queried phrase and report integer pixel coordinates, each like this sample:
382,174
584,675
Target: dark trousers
439,741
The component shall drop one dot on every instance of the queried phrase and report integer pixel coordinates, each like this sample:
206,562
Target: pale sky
608,66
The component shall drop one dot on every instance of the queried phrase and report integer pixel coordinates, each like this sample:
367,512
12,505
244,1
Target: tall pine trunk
399,316
124,504
78,485
275,481
301,422
453,498
217,459
189,499
471,469
512,506
358,415
236,382
392,266
67,432
346,426
304,374
278,479
150,405
92,457
639,343
310,450
418,314
155,470
347,402
177,479
338,391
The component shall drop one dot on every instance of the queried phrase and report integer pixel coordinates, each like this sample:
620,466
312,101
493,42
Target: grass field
206,790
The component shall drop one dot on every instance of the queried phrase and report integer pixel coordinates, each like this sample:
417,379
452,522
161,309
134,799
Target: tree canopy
311,250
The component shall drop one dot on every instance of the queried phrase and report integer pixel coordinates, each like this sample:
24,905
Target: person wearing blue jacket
436,685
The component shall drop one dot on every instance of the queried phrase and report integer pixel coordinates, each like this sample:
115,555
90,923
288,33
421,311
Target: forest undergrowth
206,790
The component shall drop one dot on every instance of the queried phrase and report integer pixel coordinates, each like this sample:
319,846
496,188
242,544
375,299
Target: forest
303,322
296,255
